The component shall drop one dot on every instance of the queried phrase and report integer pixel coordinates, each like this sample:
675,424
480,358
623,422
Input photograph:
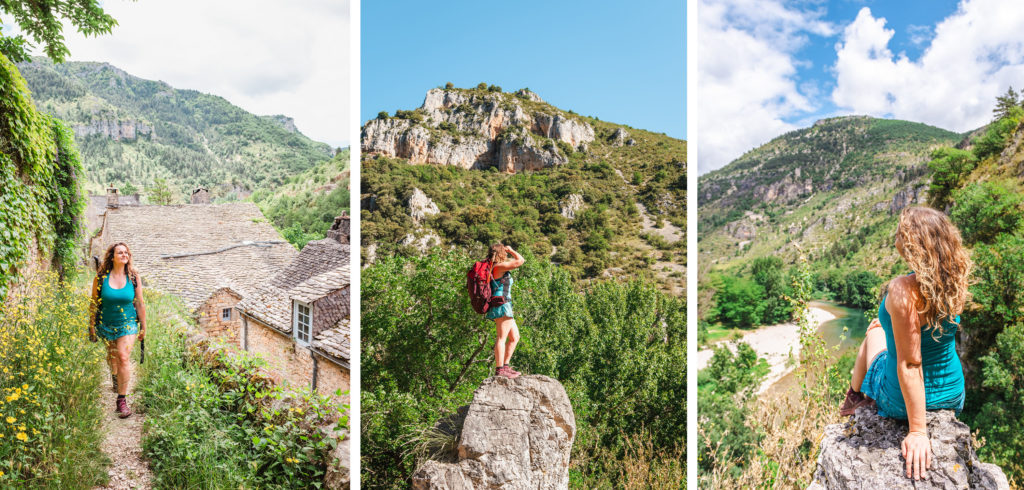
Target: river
832,331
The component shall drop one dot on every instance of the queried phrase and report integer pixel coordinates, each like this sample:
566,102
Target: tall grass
214,422
50,419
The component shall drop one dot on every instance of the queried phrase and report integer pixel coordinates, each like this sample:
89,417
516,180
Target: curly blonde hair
497,253
931,245
108,263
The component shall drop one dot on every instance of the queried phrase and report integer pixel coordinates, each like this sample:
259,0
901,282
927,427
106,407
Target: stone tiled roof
318,286
334,343
321,267
155,231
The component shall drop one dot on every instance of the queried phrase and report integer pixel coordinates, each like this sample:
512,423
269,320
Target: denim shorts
112,333
891,404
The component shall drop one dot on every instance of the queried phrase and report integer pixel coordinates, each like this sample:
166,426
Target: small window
303,323
225,314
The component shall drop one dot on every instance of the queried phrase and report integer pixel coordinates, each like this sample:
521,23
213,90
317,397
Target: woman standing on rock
501,307
119,315
910,364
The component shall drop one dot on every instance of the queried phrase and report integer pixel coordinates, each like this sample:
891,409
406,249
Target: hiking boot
513,371
503,371
113,383
122,408
853,401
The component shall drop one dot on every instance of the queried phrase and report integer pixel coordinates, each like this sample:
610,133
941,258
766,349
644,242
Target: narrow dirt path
123,443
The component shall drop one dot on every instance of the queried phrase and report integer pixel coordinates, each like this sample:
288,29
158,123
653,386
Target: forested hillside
474,166
132,131
829,193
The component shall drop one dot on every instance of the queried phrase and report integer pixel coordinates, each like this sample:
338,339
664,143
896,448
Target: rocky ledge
479,130
865,453
516,434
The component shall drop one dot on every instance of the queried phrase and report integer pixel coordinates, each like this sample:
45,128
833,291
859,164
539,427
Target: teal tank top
498,286
940,365
117,306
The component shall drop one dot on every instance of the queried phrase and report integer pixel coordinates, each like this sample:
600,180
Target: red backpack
478,283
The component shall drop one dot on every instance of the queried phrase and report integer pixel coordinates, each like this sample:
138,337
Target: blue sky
620,62
771,66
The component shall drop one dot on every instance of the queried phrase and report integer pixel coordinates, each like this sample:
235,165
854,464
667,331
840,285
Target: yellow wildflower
22,436
11,420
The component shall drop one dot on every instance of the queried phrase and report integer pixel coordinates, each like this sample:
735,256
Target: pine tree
1004,103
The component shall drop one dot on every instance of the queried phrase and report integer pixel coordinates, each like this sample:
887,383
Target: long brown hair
932,247
497,253
108,264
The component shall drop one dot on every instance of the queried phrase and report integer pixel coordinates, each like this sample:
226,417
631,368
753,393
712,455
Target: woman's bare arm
140,307
902,306
514,263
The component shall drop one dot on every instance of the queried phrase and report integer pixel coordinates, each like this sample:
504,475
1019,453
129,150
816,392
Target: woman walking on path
119,316
501,307
908,363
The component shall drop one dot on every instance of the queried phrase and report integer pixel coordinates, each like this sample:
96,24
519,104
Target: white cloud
748,81
974,55
266,56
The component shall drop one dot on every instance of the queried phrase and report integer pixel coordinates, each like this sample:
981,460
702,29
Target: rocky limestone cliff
421,206
127,130
479,130
516,434
865,453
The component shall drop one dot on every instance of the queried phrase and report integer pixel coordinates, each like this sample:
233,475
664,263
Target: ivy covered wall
41,201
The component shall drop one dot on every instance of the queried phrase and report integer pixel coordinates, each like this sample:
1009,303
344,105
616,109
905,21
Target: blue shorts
500,311
111,334
891,404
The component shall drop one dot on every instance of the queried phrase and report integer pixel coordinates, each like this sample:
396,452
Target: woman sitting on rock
910,364
119,315
501,307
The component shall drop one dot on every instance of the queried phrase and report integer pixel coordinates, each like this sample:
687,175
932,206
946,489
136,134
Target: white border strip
691,243
355,377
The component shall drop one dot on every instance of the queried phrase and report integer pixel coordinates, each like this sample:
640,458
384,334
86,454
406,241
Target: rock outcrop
619,137
421,206
516,434
473,130
865,453
906,197
569,206
126,130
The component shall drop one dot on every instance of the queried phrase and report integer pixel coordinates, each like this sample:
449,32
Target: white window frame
301,336
226,314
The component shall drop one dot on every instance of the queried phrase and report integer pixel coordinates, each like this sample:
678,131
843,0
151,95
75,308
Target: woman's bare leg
874,342
499,344
513,339
112,358
124,366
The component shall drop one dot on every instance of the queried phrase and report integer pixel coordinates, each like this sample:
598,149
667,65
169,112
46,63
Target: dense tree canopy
42,21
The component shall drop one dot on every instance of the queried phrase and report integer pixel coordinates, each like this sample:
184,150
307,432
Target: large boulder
516,434
865,453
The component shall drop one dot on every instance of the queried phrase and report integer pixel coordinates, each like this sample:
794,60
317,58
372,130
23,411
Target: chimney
340,229
112,197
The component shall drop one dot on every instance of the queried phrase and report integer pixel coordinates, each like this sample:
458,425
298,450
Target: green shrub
985,210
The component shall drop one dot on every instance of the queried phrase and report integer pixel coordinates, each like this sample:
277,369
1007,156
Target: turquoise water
852,319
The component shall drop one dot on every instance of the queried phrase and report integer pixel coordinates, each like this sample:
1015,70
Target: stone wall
331,377
288,361
210,315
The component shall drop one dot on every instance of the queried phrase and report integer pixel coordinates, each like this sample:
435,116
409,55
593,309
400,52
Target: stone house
299,320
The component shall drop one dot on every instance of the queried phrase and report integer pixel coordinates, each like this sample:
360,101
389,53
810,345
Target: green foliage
739,302
43,21
999,416
860,290
767,272
618,348
211,422
950,166
39,172
725,387
998,134
1005,104
304,207
985,210
161,193
50,418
